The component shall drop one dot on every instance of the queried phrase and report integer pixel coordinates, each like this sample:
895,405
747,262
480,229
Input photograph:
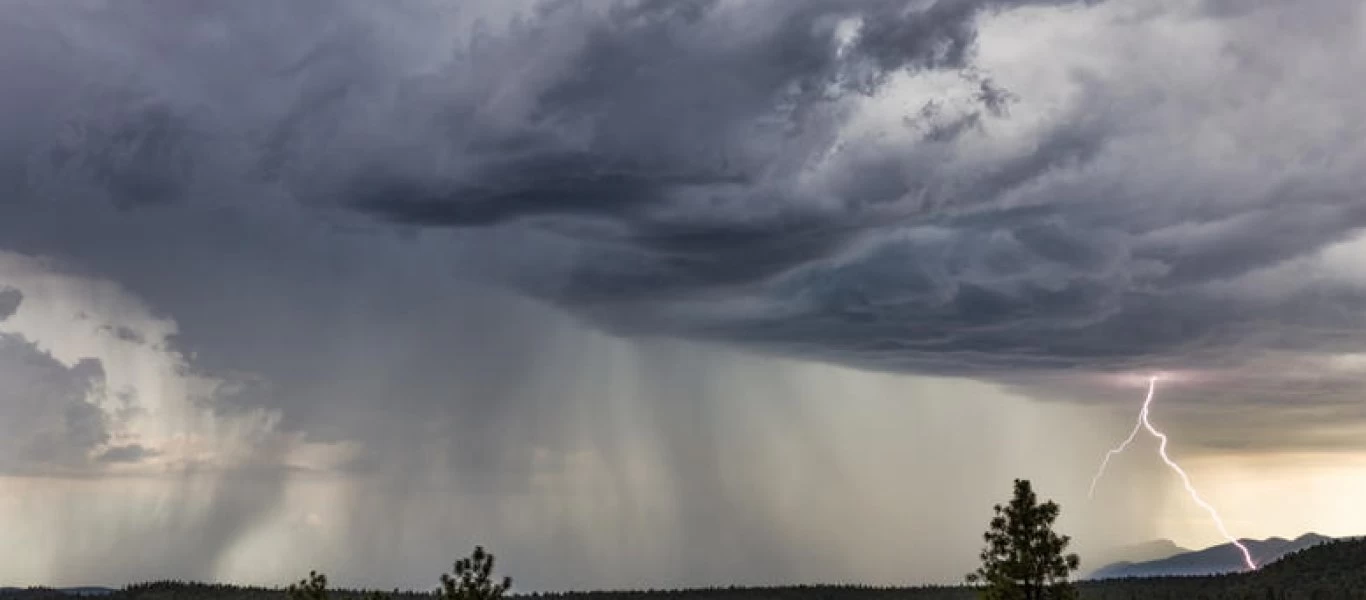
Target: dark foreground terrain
1330,571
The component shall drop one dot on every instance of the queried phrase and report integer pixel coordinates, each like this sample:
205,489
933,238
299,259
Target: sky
645,293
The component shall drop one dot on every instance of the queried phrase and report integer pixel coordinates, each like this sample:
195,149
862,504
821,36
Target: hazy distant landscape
1327,569
1215,560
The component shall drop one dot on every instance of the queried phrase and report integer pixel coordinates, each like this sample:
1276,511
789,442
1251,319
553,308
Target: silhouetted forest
1331,571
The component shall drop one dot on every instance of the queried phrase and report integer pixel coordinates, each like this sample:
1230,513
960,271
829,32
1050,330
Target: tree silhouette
1023,558
312,588
473,579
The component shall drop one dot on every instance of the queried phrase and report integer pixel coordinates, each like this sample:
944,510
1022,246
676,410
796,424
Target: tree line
1023,558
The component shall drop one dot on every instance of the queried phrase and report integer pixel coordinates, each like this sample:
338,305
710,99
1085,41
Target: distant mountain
1134,553
1215,560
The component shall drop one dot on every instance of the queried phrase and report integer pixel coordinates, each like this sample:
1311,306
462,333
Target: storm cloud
698,157
563,251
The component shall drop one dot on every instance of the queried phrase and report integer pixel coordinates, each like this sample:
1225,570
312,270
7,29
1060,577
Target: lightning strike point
1145,424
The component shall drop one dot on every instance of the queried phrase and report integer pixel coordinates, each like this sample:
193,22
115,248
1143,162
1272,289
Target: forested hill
1331,571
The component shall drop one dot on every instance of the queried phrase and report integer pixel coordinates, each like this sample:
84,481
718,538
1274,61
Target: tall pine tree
1024,558
473,579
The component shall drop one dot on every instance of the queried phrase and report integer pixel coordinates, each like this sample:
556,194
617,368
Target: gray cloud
666,159
9,302
125,333
130,453
51,421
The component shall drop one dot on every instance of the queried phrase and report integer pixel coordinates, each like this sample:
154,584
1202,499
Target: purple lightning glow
1144,423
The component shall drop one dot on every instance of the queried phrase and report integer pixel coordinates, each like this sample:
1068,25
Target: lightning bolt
1142,424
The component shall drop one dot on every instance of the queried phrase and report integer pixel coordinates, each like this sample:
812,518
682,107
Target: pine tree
1023,558
313,588
473,579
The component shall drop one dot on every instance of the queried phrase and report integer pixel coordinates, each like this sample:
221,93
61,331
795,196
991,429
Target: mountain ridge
1135,553
1214,560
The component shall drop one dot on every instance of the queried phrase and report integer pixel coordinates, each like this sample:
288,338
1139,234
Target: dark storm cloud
660,103
616,126
679,168
9,302
675,155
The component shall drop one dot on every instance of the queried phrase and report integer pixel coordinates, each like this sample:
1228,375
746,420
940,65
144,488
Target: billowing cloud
93,393
771,173
49,423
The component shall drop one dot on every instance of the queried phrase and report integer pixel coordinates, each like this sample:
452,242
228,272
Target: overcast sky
668,292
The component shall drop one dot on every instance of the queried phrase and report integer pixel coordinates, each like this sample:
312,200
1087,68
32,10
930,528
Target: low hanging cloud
93,392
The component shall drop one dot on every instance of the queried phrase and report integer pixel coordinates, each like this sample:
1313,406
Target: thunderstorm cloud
567,254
